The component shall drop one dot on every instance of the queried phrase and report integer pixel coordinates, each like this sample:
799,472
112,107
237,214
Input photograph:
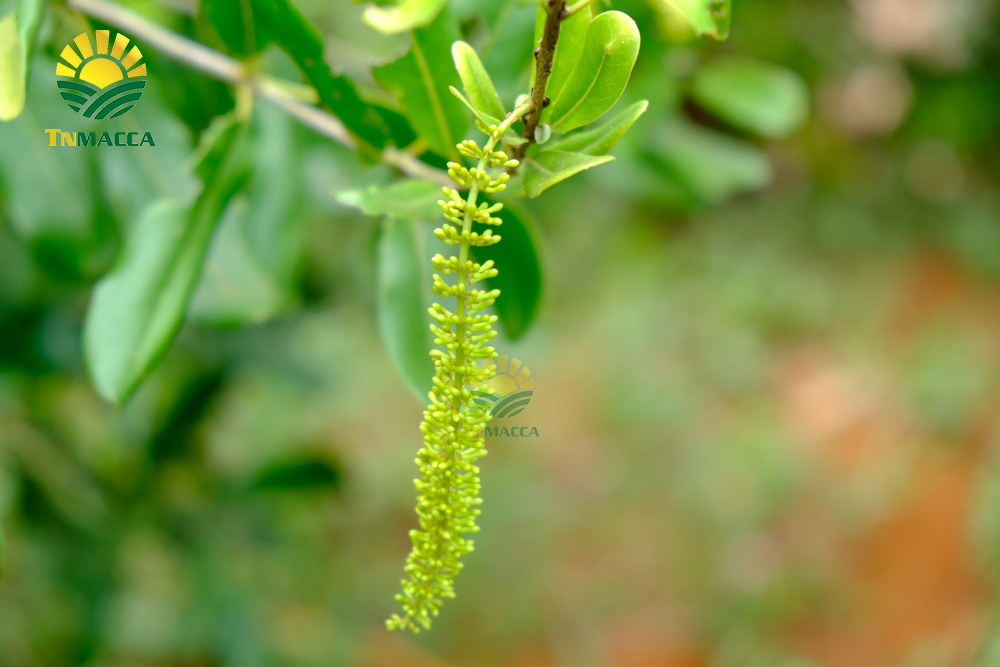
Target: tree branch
555,12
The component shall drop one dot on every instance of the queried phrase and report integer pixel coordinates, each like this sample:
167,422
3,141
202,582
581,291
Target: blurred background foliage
765,359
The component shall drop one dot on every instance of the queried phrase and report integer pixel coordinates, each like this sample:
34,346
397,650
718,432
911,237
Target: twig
575,7
290,97
555,12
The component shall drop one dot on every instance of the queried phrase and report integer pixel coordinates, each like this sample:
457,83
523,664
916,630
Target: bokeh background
765,372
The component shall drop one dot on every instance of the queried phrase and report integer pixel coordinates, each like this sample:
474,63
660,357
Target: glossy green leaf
304,43
520,278
137,309
550,167
406,15
600,76
478,86
707,17
422,78
572,36
769,100
409,199
600,140
402,302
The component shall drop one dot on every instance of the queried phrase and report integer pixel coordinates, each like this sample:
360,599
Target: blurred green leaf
17,38
406,15
520,277
409,199
304,43
307,474
235,25
572,36
600,140
138,308
251,268
548,168
12,70
707,17
422,78
600,76
709,165
402,302
476,81
769,100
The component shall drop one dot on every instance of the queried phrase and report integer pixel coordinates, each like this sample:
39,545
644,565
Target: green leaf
235,25
600,140
510,137
307,474
601,74
769,100
12,69
707,17
304,43
422,78
137,309
402,302
235,287
476,81
409,199
550,167
572,36
709,165
251,269
17,39
520,277
407,15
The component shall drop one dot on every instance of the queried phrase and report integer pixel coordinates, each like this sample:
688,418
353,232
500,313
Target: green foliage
137,309
422,78
601,139
765,99
601,73
402,304
411,199
552,166
407,15
17,38
476,82
707,17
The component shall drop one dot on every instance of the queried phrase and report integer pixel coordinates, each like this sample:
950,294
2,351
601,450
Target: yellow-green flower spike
448,487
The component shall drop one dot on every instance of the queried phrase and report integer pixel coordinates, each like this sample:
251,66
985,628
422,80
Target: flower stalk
448,487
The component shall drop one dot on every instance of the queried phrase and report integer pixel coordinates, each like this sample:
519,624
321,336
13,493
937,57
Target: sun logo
508,392
100,83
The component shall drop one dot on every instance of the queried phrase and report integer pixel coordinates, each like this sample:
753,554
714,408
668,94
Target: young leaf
402,304
422,78
547,168
476,81
520,279
407,15
572,35
410,199
601,74
600,140
707,17
12,69
137,309
304,43
769,100
510,137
